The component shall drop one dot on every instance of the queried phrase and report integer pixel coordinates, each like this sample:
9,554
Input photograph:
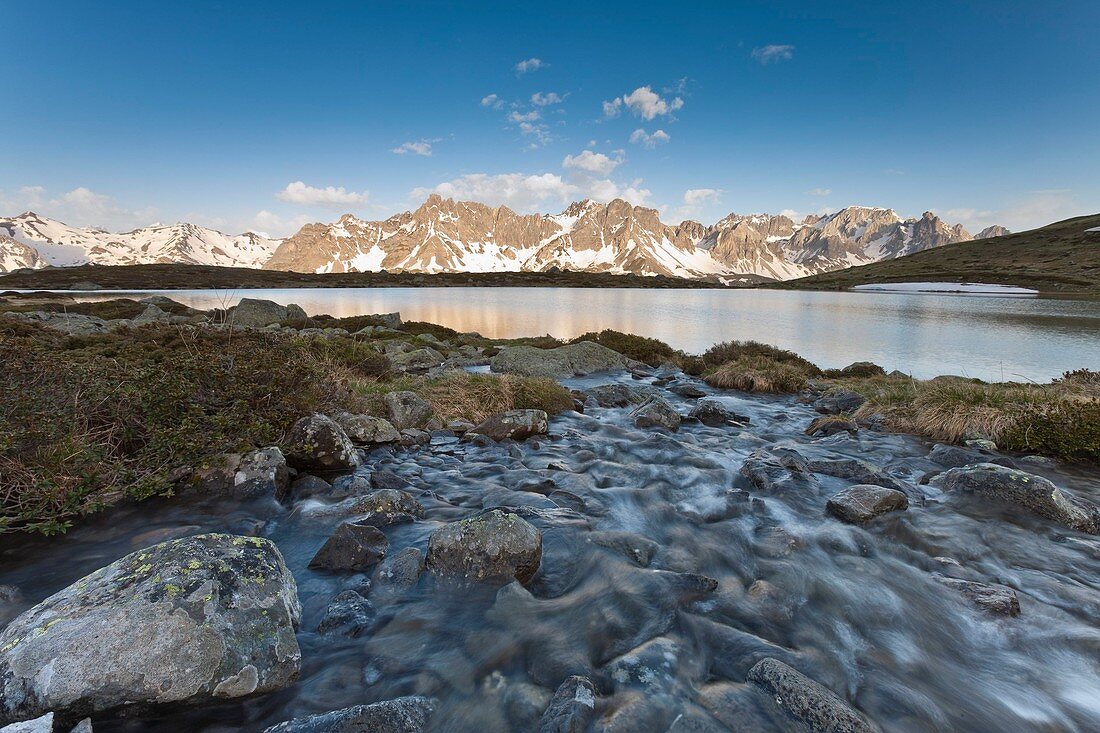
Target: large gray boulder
417,359
493,546
408,410
317,443
514,425
862,503
256,313
261,473
815,705
187,621
401,715
656,413
1025,490
43,724
365,429
564,361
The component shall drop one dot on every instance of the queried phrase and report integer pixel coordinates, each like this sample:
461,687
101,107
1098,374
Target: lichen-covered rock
387,506
408,410
43,724
656,413
777,469
571,709
261,473
863,502
352,546
401,715
574,360
618,395
1024,490
365,429
493,546
996,599
513,425
808,701
317,443
417,359
186,621
349,614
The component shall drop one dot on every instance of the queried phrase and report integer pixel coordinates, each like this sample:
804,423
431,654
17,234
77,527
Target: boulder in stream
831,425
1025,490
572,708
513,425
317,443
493,546
656,413
354,546
186,621
863,502
401,715
809,702
996,599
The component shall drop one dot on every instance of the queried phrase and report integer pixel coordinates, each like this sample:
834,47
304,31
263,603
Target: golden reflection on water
922,334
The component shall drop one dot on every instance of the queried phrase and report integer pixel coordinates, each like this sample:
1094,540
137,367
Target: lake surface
992,338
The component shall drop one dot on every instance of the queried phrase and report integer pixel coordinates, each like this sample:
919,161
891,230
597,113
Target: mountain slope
61,245
1060,257
15,255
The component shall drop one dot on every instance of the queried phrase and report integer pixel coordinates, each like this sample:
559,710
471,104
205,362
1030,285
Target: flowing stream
859,609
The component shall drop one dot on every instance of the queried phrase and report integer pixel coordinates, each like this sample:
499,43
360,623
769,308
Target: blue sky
264,115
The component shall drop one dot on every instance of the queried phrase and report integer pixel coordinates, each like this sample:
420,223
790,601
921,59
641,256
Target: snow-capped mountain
454,236
61,245
444,235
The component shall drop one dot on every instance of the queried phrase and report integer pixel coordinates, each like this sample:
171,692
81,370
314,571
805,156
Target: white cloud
535,192
332,197
524,116
694,201
273,225
529,126
492,100
78,207
421,147
819,192
644,103
773,52
1035,209
543,100
591,162
531,64
641,137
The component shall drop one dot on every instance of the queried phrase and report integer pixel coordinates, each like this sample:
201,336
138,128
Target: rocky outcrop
1024,490
807,701
408,410
317,443
401,715
861,503
187,621
491,547
574,360
513,425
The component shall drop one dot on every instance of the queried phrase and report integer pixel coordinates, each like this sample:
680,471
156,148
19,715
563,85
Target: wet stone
490,547
805,700
996,599
354,546
401,715
862,503
349,614
571,709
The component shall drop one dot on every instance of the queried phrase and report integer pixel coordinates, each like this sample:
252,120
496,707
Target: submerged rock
656,413
1024,490
513,425
574,360
856,470
408,410
997,599
187,621
317,443
571,709
638,549
353,546
401,715
808,701
493,546
863,502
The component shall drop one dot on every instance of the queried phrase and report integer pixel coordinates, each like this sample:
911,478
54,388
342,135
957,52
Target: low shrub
727,351
860,369
648,350
756,373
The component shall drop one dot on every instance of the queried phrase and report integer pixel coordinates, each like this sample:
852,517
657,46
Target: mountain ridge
445,235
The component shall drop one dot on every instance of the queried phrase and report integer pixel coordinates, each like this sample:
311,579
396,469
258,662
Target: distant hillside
1063,257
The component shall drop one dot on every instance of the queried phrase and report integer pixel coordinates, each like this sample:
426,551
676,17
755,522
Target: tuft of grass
757,373
728,351
651,351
